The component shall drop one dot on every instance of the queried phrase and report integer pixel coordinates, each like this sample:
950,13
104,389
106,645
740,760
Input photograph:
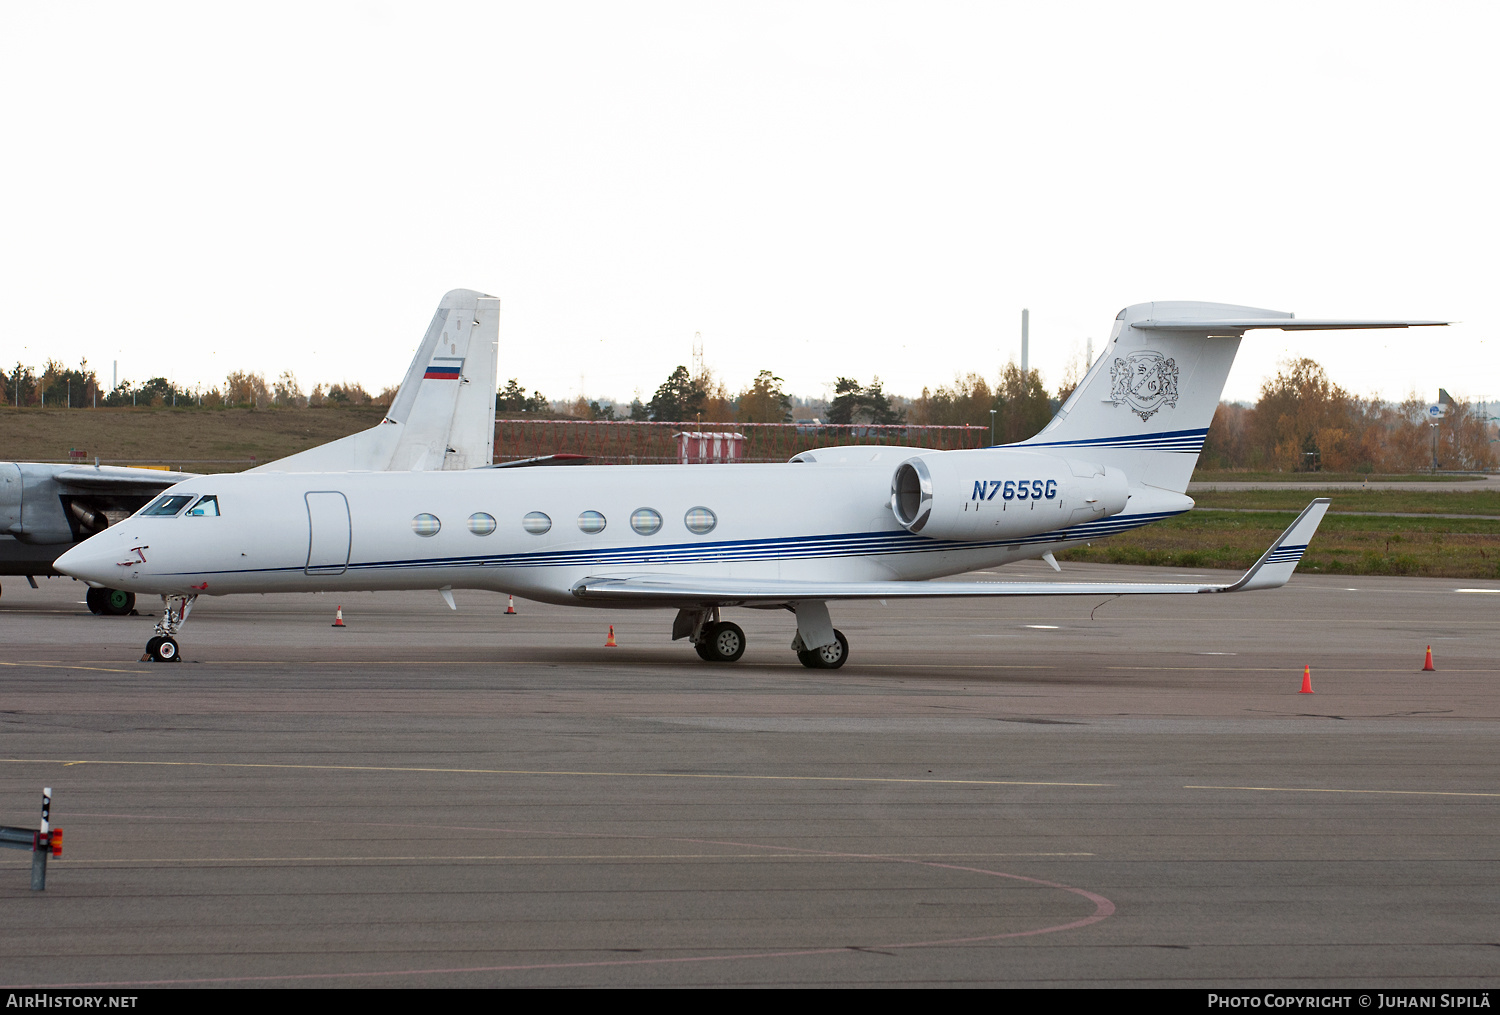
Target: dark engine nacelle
1001,493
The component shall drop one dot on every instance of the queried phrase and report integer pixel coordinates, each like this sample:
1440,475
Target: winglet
1277,564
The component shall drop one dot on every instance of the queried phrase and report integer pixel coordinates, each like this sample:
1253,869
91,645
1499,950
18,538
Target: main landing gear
829,657
110,602
721,642
162,646
718,641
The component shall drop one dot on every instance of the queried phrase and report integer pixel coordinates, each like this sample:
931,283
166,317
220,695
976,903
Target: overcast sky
820,189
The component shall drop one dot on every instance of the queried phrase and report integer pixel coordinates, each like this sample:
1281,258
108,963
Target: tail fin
1145,405
443,416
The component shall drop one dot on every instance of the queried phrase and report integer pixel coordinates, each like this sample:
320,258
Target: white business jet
838,523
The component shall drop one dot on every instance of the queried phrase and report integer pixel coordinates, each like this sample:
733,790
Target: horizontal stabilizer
1271,571
1242,325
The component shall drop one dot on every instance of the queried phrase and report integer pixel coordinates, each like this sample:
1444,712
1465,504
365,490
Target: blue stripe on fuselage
859,544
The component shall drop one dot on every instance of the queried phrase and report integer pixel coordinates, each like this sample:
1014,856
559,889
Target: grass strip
1459,502
1345,544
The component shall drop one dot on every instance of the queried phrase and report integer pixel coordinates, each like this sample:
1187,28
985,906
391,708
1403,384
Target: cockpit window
207,507
168,504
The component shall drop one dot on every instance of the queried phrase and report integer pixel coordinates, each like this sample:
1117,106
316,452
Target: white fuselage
312,532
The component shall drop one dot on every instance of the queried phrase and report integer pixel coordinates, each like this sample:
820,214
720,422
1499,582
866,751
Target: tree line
1301,422
60,386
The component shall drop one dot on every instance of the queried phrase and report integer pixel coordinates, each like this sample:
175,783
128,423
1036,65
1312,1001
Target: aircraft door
10,497
328,533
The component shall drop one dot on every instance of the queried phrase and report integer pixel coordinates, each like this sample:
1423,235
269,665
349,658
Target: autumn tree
1228,445
348,393
242,388
287,391
764,401
1463,438
1023,405
967,402
64,386
1303,422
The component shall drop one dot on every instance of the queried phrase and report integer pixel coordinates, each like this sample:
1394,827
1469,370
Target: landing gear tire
151,644
722,643
165,651
110,602
829,657
117,602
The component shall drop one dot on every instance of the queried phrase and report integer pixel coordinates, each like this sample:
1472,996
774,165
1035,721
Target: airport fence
622,442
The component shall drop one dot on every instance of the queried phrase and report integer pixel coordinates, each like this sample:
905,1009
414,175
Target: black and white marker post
41,842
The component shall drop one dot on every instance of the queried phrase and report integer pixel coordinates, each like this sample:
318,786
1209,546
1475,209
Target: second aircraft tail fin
443,416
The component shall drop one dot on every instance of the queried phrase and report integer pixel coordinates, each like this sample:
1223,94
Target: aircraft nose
92,560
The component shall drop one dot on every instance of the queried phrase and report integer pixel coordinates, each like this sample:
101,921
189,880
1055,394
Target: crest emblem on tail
1145,381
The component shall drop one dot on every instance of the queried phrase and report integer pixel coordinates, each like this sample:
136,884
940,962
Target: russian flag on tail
444,368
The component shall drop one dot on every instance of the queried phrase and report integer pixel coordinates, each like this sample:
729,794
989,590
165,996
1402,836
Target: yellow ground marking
70,666
1378,792
509,771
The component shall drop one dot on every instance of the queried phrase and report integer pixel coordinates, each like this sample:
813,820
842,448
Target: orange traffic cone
338,617
510,607
1306,680
610,641
1428,665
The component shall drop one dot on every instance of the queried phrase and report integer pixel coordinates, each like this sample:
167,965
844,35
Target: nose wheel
162,646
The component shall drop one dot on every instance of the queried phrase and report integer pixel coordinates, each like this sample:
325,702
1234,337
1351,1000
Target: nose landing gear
162,647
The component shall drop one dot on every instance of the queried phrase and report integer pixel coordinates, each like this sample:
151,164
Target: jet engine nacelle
996,493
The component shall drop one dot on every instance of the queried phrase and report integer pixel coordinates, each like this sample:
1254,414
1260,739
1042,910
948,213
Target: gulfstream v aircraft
833,524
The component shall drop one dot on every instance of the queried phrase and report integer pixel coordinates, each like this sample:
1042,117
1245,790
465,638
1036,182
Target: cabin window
700,520
591,522
168,504
536,523
646,521
481,524
426,525
207,507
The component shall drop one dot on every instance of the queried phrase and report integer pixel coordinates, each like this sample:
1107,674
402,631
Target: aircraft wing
1271,571
109,479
